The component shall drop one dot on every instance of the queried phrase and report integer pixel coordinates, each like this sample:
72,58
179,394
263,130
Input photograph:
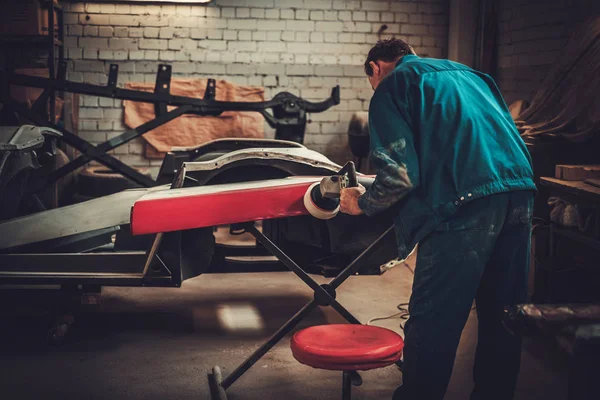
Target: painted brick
414,29
270,81
339,5
259,36
167,55
266,69
105,31
274,36
151,32
122,9
244,46
271,26
404,7
213,57
316,15
353,71
182,44
387,16
301,59
212,44
331,37
302,36
183,22
90,30
317,37
92,19
272,14
329,71
136,55
237,69
257,13
330,16
288,36
213,12
359,16
375,5
318,4
152,44
242,12
75,54
132,44
286,58
75,30
228,12
306,48
211,69
329,26
345,16
93,43
272,47
303,14
302,25
299,70
287,14
373,16
122,31
248,24
230,35
245,35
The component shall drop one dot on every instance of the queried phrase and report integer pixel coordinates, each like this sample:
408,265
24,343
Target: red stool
348,348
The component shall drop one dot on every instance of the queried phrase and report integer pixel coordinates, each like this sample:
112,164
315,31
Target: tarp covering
193,130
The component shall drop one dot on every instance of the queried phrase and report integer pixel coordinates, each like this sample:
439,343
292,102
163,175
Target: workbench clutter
568,212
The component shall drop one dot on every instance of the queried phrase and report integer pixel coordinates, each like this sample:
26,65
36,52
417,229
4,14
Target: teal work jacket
441,136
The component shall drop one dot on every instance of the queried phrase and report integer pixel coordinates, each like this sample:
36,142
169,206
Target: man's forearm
390,186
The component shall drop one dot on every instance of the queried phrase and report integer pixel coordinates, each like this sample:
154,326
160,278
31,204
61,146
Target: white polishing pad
315,211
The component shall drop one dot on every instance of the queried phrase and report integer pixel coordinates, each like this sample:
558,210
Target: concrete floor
159,343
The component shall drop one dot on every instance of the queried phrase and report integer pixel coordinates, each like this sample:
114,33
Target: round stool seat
347,347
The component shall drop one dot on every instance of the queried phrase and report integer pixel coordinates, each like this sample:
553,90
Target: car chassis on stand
89,244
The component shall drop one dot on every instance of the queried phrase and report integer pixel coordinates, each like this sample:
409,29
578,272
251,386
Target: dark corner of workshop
300,199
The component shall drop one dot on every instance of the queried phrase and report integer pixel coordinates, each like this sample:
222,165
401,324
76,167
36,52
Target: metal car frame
288,115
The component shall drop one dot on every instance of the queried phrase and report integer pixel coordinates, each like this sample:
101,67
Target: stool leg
346,386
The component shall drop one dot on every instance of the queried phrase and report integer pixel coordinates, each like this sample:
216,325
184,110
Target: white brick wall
302,46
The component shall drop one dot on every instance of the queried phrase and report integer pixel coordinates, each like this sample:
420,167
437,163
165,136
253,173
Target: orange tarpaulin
193,130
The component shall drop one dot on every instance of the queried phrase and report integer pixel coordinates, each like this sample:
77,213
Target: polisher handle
352,180
350,169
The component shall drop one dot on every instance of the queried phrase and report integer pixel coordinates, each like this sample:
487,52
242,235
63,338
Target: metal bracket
211,90
162,86
113,75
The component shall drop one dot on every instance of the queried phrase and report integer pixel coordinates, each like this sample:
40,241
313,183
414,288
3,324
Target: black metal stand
324,295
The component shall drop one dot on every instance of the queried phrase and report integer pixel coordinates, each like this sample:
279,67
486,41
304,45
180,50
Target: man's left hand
349,200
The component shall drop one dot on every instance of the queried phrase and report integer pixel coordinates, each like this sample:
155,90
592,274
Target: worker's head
383,57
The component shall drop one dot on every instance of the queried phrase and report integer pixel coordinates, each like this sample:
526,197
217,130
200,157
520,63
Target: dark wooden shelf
576,235
578,188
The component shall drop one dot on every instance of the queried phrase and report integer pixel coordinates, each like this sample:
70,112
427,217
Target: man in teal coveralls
458,177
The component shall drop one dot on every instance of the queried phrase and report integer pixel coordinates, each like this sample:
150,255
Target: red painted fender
213,205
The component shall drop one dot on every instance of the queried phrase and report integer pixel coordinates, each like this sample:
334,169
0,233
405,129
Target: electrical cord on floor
403,313
402,307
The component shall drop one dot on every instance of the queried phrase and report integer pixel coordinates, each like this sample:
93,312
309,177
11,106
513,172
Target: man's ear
375,67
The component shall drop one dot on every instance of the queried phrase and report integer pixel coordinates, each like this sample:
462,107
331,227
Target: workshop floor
159,343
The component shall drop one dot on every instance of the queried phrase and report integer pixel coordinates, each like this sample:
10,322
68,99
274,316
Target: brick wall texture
532,34
302,46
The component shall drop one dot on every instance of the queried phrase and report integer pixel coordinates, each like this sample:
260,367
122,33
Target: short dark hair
387,50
